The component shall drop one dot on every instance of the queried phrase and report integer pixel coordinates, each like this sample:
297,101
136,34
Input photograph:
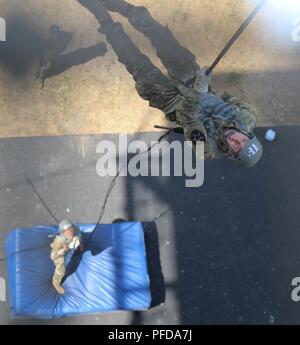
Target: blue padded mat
111,274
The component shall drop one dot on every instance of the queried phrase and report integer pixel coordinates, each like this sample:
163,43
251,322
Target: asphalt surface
225,253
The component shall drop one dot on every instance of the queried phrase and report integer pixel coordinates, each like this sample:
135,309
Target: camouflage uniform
58,253
175,95
216,114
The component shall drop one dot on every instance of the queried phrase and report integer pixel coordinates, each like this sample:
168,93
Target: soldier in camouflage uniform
68,239
223,122
53,48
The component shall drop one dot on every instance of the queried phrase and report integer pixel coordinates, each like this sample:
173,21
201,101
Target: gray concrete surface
228,251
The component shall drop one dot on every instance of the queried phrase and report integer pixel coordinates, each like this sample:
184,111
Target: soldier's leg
59,274
180,63
151,83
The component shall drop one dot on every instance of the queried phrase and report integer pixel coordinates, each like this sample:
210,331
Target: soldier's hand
203,71
66,248
203,81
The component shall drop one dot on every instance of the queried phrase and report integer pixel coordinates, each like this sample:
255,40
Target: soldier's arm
55,245
227,97
58,248
188,110
58,243
56,254
248,116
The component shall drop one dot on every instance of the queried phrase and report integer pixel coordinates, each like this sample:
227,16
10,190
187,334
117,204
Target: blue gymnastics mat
111,274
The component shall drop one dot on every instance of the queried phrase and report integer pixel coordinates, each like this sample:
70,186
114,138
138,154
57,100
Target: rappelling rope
250,18
113,183
41,199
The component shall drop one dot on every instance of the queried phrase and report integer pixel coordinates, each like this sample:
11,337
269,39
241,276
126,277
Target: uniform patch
252,151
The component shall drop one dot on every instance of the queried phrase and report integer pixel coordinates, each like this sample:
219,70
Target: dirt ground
100,97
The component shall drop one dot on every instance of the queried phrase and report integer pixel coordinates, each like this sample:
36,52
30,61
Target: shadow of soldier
53,61
63,62
28,50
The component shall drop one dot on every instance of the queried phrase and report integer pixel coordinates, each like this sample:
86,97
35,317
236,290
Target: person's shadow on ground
26,48
78,57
